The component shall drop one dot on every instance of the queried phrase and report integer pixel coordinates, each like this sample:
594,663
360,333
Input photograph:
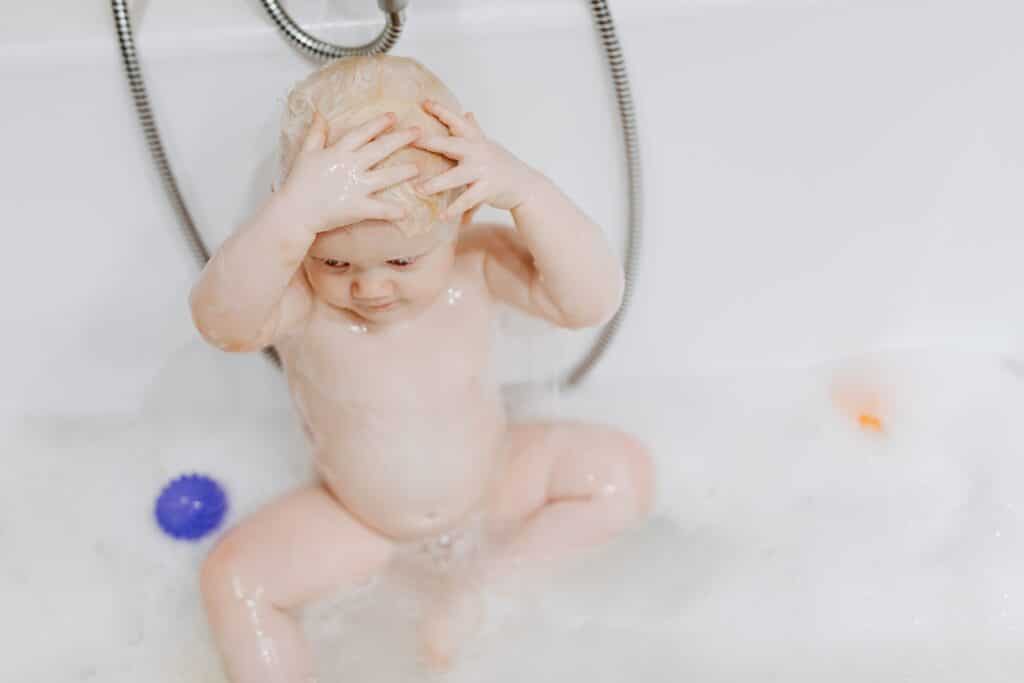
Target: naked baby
366,273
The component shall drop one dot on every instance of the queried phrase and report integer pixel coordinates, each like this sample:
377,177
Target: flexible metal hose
634,223
320,49
393,10
122,24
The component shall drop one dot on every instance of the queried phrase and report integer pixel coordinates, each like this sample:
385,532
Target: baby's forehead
374,240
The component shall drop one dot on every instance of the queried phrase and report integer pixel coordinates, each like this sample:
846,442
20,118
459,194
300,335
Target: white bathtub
833,190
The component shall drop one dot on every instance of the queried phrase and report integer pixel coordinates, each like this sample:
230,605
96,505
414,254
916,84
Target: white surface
824,179
787,543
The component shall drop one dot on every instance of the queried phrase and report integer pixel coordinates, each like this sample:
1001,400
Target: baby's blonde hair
352,90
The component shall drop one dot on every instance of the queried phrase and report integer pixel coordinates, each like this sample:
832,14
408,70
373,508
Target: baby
365,272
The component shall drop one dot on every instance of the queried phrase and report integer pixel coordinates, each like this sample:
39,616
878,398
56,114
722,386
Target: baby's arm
253,289
557,264
573,278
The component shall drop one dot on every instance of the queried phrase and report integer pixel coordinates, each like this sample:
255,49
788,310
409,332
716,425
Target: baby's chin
394,311
391,314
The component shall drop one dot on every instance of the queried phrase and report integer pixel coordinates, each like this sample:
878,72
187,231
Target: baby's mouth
377,305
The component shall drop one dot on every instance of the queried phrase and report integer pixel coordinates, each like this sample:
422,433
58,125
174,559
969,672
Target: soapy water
791,539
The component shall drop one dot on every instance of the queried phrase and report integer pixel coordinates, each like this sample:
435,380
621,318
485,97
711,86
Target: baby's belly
411,468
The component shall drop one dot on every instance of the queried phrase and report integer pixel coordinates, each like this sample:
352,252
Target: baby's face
373,271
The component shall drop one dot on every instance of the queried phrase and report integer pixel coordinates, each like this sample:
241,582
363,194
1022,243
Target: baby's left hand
493,175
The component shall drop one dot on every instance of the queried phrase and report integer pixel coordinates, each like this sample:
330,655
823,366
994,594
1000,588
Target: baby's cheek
425,287
420,292
333,290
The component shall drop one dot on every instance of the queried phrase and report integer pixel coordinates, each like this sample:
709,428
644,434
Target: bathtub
833,211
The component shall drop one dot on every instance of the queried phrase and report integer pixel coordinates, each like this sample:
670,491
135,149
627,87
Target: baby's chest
445,349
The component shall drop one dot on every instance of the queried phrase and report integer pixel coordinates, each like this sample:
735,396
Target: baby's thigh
295,549
555,461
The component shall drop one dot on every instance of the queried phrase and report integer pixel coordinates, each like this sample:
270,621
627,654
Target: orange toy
870,421
861,402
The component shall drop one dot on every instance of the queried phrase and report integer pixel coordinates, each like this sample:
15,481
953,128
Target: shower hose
394,21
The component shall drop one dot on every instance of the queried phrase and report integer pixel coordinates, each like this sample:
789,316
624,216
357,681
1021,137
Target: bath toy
190,507
870,422
862,401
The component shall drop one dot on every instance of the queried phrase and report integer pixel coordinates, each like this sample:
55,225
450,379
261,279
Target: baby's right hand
330,187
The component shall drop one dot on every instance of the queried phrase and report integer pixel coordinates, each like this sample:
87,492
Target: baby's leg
292,551
569,486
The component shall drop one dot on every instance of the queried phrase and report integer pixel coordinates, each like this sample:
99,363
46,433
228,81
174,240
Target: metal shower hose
393,10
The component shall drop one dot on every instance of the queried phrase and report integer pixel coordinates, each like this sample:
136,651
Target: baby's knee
225,571
627,480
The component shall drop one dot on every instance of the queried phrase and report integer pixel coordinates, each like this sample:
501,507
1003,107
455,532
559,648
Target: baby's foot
448,625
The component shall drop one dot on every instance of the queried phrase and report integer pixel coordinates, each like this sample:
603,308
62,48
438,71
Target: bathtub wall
823,178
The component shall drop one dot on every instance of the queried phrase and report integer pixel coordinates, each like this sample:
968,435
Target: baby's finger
316,136
381,210
476,194
453,148
455,177
386,177
456,124
359,136
384,146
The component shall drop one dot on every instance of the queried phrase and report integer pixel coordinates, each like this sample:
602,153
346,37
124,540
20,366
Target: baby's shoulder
479,240
476,242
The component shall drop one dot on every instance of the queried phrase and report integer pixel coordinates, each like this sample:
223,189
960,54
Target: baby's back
405,423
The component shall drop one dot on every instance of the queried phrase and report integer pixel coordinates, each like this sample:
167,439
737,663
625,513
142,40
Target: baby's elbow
599,310
581,322
214,330
224,341
599,319
607,303
227,343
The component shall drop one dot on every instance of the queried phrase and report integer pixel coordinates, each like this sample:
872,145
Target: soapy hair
352,90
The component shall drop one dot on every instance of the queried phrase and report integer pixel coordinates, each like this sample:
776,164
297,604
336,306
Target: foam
786,539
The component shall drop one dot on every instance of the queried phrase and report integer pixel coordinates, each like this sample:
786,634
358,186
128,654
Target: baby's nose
369,287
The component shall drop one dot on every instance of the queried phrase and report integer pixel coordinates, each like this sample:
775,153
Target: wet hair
350,91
